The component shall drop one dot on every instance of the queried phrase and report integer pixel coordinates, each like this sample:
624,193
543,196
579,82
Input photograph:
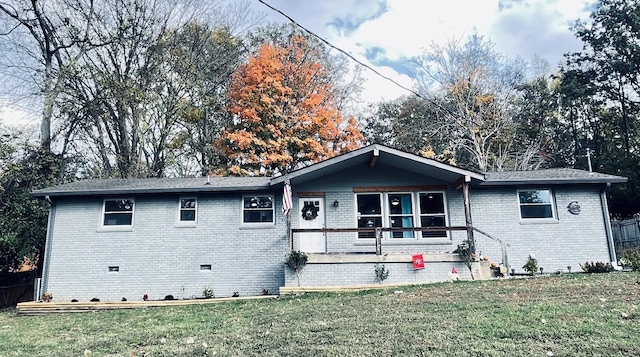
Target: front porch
356,267
358,270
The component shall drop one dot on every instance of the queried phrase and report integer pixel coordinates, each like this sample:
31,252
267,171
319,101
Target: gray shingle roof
549,176
156,185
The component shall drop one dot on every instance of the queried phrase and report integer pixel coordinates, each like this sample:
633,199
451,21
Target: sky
386,34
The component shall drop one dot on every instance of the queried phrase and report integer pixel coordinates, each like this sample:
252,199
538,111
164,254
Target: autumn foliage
284,112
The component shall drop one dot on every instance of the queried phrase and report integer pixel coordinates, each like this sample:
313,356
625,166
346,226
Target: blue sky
386,34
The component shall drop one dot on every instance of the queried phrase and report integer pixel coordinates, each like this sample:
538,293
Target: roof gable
375,154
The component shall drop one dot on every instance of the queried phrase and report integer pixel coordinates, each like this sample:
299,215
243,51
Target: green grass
569,315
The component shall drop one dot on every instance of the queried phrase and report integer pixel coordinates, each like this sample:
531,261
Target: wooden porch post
467,209
378,241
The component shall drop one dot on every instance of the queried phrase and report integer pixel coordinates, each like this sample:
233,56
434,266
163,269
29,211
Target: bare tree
129,100
475,90
57,34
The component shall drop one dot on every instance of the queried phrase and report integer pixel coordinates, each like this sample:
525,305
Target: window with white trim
188,209
402,210
118,212
536,204
369,213
257,209
432,213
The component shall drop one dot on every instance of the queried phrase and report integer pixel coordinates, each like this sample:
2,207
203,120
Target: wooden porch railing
378,234
376,230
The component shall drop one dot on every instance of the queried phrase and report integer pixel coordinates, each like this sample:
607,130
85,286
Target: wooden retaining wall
39,308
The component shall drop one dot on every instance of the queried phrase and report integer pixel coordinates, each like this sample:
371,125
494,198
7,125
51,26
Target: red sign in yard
418,262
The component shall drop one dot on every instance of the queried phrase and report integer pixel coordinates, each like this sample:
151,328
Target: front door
312,216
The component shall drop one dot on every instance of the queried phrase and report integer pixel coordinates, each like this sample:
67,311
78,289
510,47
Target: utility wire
342,51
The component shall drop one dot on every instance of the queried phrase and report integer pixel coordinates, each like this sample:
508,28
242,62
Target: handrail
378,234
503,245
377,231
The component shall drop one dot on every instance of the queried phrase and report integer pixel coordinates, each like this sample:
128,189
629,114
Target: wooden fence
626,234
11,295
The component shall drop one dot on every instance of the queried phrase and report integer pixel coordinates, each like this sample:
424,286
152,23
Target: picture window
536,204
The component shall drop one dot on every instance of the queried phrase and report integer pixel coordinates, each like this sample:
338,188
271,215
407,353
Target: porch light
336,203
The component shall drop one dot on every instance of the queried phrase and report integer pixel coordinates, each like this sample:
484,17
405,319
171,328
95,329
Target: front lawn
569,315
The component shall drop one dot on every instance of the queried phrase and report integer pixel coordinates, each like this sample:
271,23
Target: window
432,213
188,208
118,212
402,210
369,213
257,209
400,214
535,204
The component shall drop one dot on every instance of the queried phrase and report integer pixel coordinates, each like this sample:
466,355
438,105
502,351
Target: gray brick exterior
569,240
157,256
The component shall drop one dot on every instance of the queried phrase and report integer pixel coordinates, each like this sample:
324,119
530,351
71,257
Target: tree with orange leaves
285,115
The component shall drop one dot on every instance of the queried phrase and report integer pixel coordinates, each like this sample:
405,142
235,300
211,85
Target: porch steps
41,308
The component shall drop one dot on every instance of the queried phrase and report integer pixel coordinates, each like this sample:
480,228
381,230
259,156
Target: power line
342,51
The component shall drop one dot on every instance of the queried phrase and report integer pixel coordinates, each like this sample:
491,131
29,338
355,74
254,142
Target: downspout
607,225
47,249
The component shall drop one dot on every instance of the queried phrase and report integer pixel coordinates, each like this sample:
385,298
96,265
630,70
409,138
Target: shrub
631,258
207,292
597,267
382,273
296,260
531,266
467,251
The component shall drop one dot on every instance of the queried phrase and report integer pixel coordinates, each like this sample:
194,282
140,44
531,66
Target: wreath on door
309,211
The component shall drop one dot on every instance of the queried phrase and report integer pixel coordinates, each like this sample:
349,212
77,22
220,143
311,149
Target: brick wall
157,256
569,240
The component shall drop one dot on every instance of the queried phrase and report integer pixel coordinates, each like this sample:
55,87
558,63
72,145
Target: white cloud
15,117
379,88
518,28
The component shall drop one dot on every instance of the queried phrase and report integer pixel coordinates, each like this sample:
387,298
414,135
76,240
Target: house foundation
357,270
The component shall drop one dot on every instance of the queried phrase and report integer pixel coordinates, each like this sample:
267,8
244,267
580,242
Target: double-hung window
369,213
188,210
432,213
257,209
536,204
118,212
